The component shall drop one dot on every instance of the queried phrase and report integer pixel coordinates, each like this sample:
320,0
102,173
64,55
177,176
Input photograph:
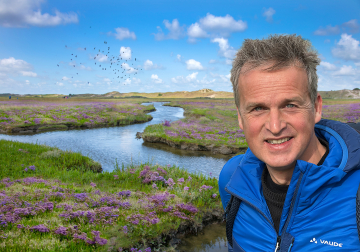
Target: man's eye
257,109
291,105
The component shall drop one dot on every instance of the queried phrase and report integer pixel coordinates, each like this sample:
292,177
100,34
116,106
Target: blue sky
178,45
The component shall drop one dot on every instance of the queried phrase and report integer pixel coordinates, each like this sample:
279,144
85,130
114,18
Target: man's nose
275,122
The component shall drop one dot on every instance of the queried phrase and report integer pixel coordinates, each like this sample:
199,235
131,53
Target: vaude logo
330,243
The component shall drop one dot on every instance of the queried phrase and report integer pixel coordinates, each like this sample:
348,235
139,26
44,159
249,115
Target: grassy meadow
53,200
43,114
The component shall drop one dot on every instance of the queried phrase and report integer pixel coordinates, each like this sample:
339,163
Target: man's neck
283,177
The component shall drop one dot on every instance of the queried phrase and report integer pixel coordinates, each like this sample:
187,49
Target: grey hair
281,51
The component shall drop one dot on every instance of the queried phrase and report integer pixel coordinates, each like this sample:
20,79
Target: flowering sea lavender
214,195
116,176
170,182
124,194
205,187
125,229
92,184
61,231
40,228
167,123
186,188
181,180
80,196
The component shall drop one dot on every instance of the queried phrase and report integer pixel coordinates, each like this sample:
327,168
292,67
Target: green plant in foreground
53,201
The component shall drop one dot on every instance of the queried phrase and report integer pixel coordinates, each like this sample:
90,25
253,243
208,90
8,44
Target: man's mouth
279,141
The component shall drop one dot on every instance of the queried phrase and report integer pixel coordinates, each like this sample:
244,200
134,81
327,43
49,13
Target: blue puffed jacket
319,211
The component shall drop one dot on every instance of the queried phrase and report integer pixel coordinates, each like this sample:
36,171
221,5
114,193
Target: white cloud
195,31
328,30
175,30
178,57
191,77
351,26
27,82
136,80
345,70
268,14
107,80
60,84
125,53
148,65
212,26
82,67
122,33
156,79
128,68
328,66
227,23
212,61
21,13
347,48
192,64
225,49
65,78
28,73
14,66
101,57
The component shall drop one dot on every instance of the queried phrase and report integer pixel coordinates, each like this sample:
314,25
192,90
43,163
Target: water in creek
108,145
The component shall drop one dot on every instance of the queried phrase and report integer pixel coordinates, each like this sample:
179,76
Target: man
296,185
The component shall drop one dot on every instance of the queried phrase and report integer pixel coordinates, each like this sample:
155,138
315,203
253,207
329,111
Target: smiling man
295,188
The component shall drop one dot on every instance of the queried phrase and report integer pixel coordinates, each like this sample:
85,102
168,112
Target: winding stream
118,144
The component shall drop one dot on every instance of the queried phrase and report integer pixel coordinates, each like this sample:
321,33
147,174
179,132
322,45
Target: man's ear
318,108
239,119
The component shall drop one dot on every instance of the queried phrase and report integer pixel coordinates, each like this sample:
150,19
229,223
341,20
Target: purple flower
186,188
189,178
125,229
214,195
26,169
167,123
116,176
125,193
32,167
40,228
37,120
148,249
181,180
170,182
20,226
154,186
93,184
61,231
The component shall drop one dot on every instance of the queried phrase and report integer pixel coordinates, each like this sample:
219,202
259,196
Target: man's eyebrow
251,105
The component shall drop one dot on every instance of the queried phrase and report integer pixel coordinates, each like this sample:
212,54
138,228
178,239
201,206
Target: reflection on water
212,239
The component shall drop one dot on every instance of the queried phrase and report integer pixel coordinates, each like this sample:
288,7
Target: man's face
276,106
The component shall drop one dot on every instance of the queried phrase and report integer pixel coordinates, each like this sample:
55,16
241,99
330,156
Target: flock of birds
117,65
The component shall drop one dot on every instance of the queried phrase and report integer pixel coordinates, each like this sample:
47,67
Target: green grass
74,173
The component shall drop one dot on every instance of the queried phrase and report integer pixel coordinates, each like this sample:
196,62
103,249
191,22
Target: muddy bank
38,128
225,150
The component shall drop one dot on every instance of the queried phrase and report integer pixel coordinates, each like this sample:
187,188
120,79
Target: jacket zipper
278,239
292,207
